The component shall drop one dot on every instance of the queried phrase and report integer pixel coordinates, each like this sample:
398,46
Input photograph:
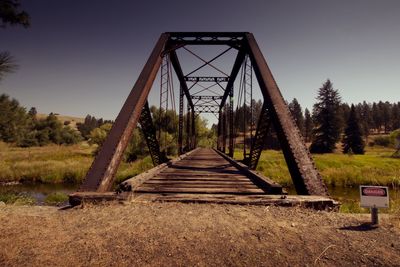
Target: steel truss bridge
215,95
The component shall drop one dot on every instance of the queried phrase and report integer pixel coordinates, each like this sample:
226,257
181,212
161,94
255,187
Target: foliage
16,198
56,198
352,139
24,129
382,141
297,113
326,119
9,14
89,124
13,120
395,138
7,64
98,135
308,125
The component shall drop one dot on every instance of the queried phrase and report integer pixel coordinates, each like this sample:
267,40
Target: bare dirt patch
176,234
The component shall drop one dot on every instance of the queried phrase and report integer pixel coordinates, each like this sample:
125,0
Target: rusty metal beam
179,73
257,144
301,166
235,70
100,176
180,123
150,135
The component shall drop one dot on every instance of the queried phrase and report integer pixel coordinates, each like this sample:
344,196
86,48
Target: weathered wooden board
202,171
316,202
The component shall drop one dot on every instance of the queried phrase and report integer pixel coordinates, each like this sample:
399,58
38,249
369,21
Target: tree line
331,121
24,129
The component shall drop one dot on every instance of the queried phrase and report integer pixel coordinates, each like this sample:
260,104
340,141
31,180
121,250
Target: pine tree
352,139
297,113
326,119
308,125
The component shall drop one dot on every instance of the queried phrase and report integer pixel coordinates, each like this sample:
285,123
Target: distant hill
63,118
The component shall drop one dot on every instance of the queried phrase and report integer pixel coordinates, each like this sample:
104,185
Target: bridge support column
180,123
231,122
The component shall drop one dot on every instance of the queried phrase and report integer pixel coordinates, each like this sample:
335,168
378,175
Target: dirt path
172,234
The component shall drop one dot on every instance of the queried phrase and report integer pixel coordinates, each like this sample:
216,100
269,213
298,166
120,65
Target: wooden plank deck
204,176
202,172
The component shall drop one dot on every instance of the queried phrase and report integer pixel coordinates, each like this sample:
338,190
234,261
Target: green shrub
56,198
383,141
16,199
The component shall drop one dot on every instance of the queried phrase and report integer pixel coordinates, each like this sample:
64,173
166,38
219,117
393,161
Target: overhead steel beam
235,70
100,176
233,39
206,79
179,73
206,109
301,166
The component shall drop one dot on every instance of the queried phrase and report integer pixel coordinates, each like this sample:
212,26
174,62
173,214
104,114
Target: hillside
63,118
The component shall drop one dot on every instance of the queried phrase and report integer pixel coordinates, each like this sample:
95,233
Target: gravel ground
176,234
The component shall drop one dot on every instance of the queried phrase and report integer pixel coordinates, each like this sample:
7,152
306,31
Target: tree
352,139
396,116
395,137
98,135
297,113
7,64
308,125
9,14
13,120
326,119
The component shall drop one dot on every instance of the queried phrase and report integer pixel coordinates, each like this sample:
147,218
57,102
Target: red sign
374,196
374,192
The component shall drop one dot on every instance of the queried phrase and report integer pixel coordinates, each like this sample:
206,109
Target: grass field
342,174
56,164
376,167
69,164
60,164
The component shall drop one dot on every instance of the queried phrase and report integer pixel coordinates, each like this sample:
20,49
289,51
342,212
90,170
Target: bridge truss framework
249,58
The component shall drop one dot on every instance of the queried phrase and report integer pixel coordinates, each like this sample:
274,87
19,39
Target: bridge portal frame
306,178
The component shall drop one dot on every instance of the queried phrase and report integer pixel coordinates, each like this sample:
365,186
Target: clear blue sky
82,57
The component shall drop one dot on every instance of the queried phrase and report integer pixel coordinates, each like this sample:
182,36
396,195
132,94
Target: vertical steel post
231,130
219,133
224,130
188,128
193,130
180,126
248,119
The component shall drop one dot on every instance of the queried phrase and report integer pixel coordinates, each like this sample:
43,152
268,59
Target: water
37,191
